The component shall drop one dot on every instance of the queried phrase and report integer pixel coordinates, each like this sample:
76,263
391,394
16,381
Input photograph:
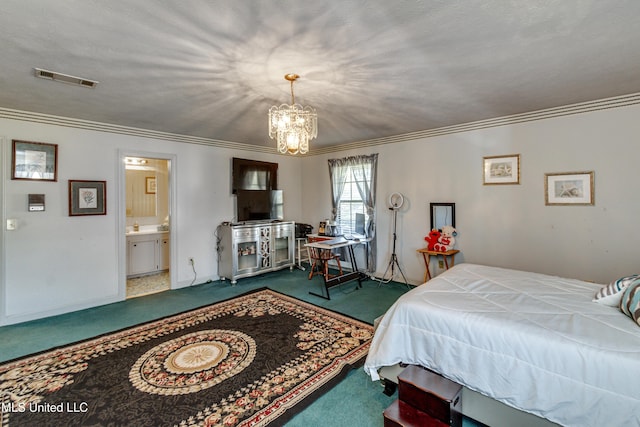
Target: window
351,214
353,196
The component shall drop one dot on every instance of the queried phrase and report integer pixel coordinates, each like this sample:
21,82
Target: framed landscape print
34,161
569,188
501,169
87,197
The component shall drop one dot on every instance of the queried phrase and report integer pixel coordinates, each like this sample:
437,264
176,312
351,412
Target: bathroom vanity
147,252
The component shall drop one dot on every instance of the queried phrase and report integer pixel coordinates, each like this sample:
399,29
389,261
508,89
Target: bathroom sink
146,229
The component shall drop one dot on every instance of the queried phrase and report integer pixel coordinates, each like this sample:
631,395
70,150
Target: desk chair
320,259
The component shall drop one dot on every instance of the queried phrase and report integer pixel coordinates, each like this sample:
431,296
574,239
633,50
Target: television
259,205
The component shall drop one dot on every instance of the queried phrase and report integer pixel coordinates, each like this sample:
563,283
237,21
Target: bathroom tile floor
146,285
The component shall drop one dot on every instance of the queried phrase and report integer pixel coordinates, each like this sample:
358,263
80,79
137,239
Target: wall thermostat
36,202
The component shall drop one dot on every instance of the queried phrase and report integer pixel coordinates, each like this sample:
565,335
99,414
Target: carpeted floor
255,359
355,402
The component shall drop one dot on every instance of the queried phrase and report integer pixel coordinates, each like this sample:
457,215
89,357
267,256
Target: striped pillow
611,294
630,301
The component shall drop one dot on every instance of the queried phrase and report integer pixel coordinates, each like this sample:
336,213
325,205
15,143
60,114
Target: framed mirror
442,214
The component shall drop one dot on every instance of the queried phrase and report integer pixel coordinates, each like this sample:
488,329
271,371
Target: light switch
12,224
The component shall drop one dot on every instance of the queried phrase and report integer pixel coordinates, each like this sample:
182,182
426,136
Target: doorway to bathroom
147,225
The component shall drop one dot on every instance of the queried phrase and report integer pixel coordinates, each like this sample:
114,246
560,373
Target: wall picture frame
36,161
569,188
150,185
87,197
501,170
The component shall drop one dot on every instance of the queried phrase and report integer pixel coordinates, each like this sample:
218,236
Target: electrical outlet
191,261
440,264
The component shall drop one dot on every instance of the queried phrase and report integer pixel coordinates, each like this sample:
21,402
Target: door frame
122,215
4,149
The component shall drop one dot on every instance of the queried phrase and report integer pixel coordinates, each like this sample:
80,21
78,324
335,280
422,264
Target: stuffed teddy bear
446,239
432,239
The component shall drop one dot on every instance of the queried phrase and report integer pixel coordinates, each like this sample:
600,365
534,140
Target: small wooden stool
425,399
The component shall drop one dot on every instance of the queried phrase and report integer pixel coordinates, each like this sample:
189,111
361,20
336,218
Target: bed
534,342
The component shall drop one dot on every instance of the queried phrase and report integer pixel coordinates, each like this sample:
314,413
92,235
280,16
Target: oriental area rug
254,360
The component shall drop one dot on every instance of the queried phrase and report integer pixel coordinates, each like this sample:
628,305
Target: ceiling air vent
65,78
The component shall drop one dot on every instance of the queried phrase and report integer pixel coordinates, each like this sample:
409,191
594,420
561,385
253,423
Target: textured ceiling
371,68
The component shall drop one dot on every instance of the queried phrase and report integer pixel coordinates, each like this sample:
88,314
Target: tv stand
249,249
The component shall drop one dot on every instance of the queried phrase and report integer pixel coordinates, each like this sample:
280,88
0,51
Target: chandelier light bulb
292,125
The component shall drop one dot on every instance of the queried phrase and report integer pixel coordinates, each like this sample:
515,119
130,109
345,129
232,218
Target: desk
335,243
358,238
427,254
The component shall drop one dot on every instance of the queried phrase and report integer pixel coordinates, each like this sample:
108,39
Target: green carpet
355,402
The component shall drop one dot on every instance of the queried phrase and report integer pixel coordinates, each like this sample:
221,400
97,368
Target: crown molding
28,116
583,107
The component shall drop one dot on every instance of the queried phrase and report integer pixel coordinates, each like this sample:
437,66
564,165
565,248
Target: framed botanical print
87,197
34,161
569,188
501,169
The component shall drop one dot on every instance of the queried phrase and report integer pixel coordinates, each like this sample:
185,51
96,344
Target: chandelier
293,126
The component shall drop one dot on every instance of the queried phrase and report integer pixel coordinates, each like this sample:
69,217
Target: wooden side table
427,254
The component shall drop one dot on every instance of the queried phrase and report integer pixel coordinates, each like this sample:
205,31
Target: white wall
54,263
509,225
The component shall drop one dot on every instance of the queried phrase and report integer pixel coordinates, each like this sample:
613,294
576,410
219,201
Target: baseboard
198,281
11,320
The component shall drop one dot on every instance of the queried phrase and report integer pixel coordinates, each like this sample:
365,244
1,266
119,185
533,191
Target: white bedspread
535,342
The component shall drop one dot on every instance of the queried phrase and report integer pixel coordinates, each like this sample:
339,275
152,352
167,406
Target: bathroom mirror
443,214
